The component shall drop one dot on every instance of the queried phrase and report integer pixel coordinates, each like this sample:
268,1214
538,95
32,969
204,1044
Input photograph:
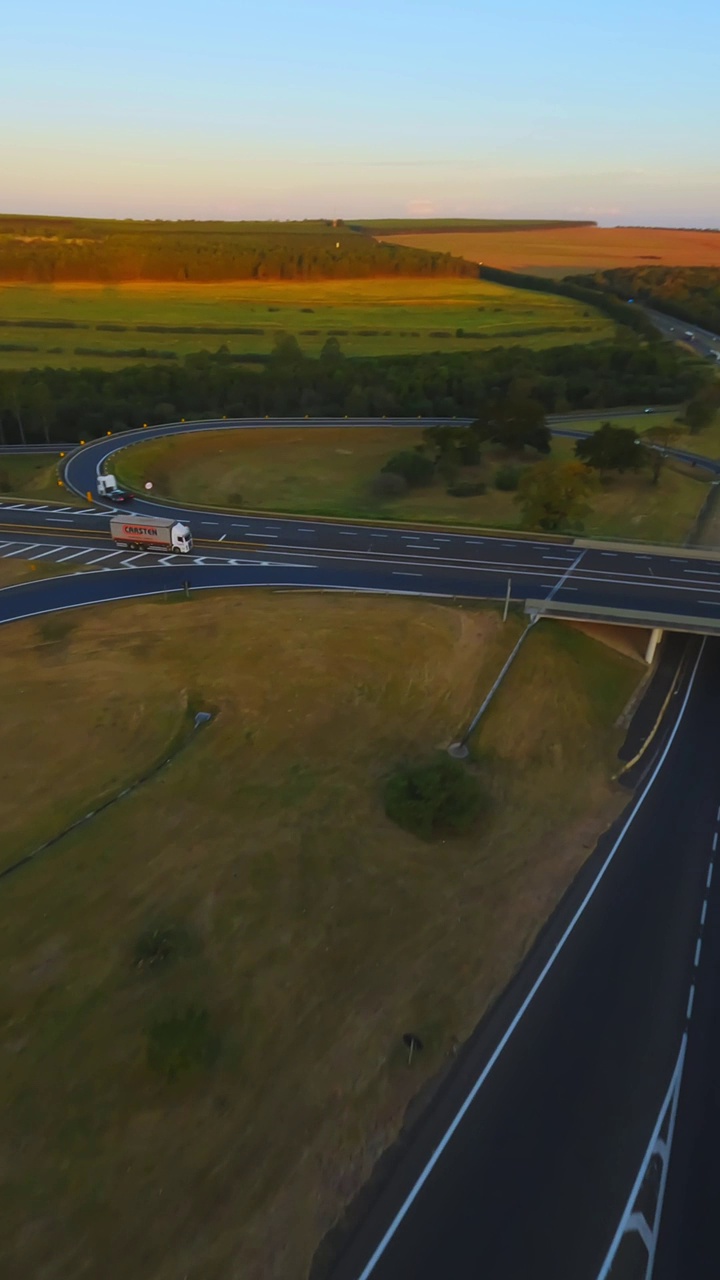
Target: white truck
156,533
107,486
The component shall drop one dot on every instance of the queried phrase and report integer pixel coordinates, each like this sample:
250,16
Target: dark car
119,495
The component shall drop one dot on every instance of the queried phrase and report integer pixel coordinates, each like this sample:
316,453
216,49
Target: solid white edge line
460,1114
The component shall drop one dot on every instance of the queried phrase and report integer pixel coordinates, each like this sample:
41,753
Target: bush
181,1042
435,798
388,484
507,479
415,468
467,489
156,948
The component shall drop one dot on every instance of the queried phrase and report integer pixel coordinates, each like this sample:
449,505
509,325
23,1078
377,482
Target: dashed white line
715,840
698,949
398,573
691,997
49,552
703,913
19,550
717,816
614,553
73,555
224,536
708,882
209,521
108,555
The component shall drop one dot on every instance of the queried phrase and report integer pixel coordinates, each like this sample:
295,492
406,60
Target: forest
50,250
69,405
689,293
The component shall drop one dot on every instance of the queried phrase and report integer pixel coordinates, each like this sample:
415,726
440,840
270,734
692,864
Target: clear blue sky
298,108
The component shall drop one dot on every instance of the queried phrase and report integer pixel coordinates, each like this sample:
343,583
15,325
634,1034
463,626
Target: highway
524,1164
558,1092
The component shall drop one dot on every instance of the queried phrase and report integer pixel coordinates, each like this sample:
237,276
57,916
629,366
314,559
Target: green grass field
369,317
328,471
314,931
33,476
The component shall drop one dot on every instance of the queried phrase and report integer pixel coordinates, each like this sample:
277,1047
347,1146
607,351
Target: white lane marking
240,524
633,1221
443,539
107,556
703,913
224,536
62,520
561,581
347,533
73,555
715,602
310,528
378,535
421,546
708,882
49,552
45,508
560,559
614,553
691,997
7,544
698,948
131,559
209,521
715,840
637,557
717,816
674,560
397,573
19,550
473,1092
700,572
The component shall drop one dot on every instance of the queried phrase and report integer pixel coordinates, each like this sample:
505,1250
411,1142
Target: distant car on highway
648,410
118,495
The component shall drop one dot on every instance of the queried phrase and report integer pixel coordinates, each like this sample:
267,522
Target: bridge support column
655,637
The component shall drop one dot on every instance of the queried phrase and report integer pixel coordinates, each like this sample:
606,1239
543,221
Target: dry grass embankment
329,471
320,932
571,250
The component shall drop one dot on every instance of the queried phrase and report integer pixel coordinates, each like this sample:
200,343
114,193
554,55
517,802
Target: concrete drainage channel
182,740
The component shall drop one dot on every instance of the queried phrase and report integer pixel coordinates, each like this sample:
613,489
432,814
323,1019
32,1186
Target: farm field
328,471
369,317
263,854
571,250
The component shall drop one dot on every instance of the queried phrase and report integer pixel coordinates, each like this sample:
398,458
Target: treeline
63,250
66,404
580,289
425,226
688,293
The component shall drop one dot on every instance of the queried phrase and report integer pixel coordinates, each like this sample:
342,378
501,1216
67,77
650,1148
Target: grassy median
252,910
330,471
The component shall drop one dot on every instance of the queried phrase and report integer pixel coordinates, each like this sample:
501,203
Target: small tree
553,495
701,410
388,484
331,352
439,796
612,448
416,469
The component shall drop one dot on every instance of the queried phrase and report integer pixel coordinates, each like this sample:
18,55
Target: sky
307,108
